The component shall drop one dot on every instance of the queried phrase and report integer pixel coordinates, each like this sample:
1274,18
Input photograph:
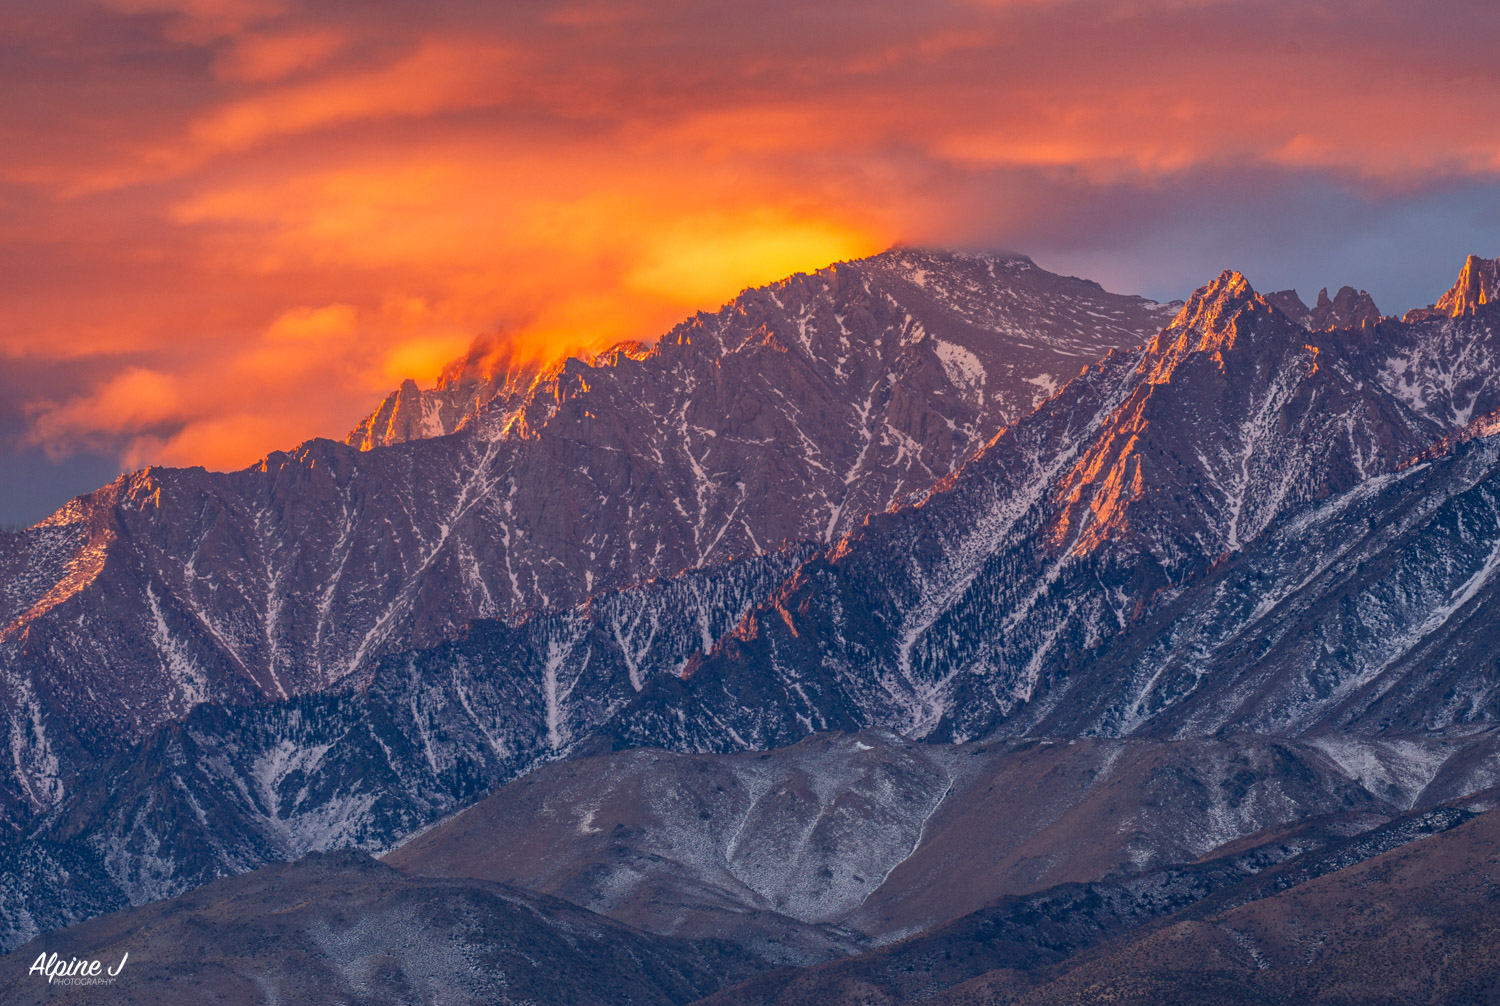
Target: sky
227,226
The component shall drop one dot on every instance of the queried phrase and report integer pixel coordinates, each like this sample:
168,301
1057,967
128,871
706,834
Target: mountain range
786,416
754,635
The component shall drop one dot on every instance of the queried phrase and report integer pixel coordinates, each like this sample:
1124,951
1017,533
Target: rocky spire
1478,284
1349,308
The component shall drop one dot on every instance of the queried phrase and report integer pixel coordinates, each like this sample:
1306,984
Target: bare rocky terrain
1174,935
731,877
341,928
1415,924
860,831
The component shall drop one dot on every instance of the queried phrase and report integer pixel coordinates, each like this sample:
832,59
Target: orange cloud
132,402
273,57
225,442
566,267
228,406
706,258
437,77
312,324
259,215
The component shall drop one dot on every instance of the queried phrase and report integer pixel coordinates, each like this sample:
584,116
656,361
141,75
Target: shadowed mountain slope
342,928
1416,924
438,927
862,831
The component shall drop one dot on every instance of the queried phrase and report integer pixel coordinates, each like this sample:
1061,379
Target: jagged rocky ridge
785,416
1005,333
1020,596
1349,308
1024,596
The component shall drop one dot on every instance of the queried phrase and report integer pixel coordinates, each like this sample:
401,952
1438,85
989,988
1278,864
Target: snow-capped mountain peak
967,306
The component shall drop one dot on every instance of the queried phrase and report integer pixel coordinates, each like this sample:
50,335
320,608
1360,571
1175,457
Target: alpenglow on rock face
1478,284
790,414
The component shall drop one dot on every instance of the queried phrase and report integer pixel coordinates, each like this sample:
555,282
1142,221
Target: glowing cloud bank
228,225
